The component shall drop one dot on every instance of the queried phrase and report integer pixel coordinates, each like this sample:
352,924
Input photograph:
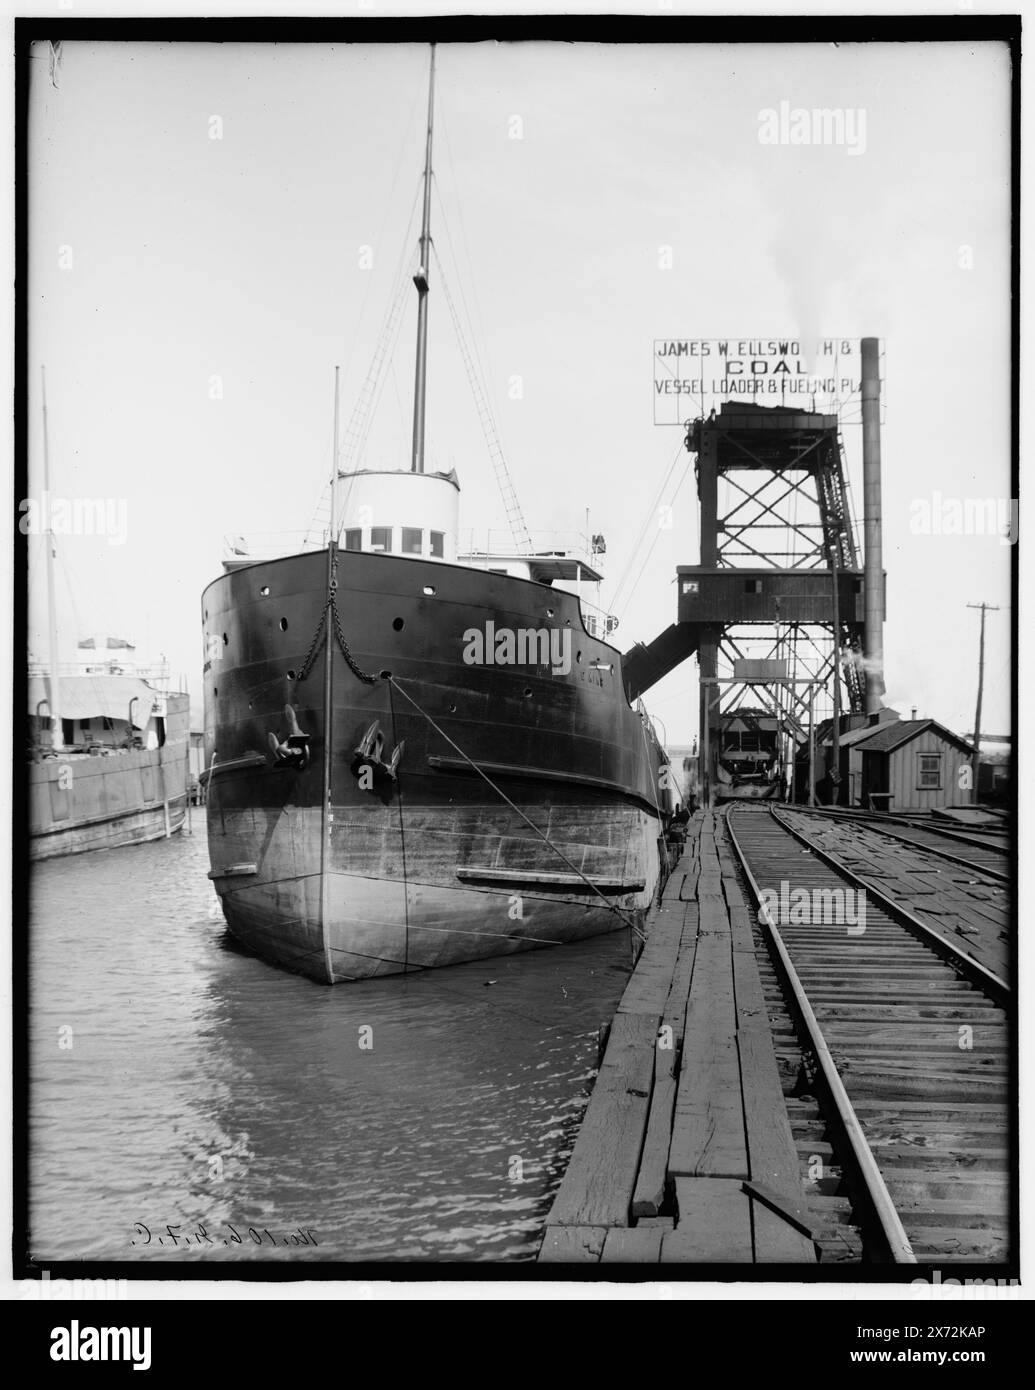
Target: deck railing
154,675
478,543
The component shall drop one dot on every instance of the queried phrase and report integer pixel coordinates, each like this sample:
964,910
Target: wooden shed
914,765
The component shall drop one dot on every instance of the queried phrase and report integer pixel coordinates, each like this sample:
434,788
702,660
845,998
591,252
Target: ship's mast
53,678
421,281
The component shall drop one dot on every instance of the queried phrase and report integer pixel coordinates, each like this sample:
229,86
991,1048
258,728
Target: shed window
412,540
380,538
354,539
929,771
752,586
437,543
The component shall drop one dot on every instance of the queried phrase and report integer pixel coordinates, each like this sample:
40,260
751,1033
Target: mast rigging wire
651,512
657,533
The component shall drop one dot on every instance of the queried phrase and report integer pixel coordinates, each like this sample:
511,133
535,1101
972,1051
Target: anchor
369,755
295,748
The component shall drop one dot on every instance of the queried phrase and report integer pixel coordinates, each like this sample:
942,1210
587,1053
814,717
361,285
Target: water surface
175,1080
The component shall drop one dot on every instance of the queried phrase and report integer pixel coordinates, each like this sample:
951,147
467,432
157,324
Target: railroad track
909,1044
989,856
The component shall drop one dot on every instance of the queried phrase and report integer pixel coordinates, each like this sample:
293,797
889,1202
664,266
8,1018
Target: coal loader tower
785,616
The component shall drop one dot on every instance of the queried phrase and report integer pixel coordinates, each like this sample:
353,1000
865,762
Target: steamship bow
417,756
473,809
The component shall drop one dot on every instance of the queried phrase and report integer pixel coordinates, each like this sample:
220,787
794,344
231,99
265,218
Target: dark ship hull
79,802
418,861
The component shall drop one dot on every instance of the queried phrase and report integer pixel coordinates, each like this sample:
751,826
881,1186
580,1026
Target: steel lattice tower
774,508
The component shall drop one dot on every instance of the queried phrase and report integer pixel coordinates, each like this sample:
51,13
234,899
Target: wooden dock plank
572,1245
708,1125
649,1192
708,1128
635,1245
747,986
772,1154
597,1187
776,1242
714,1224
700,1122
648,986
674,1013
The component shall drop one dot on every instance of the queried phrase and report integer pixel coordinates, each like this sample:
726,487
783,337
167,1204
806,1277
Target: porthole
549,612
291,675
452,709
578,656
226,640
283,625
399,624
264,592
528,692
429,590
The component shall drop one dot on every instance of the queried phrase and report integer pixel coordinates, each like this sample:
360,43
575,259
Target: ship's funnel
873,577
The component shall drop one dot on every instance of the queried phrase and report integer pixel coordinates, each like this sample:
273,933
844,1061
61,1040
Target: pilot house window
437,543
380,538
354,539
412,539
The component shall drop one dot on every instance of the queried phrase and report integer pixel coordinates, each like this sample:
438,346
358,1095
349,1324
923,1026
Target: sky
190,296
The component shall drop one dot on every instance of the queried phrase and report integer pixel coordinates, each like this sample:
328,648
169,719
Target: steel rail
884,1209
968,864
977,839
994,987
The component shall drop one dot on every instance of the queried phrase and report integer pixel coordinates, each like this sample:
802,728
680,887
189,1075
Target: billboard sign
692,376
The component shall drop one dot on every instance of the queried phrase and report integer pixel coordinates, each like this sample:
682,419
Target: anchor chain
339,634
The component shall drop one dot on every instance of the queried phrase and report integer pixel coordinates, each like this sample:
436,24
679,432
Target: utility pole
981,685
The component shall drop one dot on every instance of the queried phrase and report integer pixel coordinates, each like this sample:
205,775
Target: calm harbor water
176,1081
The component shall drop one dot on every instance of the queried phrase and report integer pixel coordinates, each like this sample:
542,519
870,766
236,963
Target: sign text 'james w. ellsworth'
692,373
